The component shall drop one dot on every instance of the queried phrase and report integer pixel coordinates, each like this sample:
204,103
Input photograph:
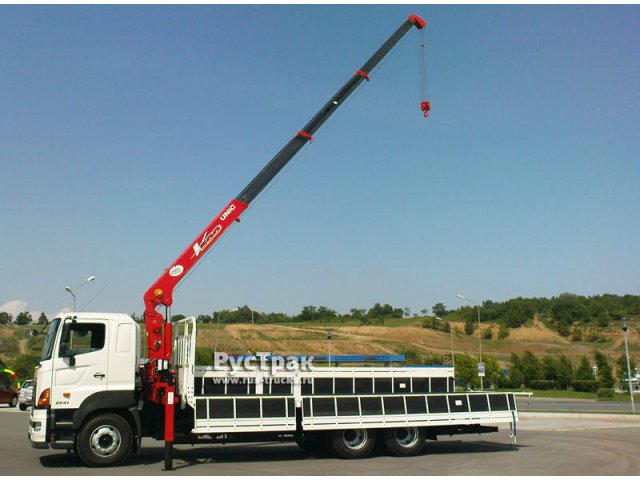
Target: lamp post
453,358
462,297
625,327
73,294
329,335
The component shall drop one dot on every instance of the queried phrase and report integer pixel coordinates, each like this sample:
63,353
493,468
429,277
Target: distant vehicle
25,397
7,394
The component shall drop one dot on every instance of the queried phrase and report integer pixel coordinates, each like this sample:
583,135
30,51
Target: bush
605,393
468,327
595,337
503,331
544,384
24,365
585,385
487,334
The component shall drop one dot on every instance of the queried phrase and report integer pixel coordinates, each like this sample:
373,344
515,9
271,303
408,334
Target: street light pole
625,327
453,358
462,297
73,294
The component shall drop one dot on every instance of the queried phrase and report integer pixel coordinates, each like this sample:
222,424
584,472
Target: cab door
81,363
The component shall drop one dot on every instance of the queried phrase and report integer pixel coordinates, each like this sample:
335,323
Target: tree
5,318
516,378
466,370
584,380
621,370
42,319
468,326
605,373
565,372
439,310
204,319
531,368
179,316
584,370
24,318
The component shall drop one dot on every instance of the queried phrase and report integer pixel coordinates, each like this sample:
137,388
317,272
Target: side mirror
33,333
65,338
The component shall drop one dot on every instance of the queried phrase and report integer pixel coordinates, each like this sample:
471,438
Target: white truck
89,398
95,394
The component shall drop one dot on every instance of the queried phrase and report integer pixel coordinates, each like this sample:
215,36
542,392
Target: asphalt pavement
572,405
547,444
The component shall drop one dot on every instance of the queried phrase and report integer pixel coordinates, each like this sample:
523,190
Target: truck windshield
51,336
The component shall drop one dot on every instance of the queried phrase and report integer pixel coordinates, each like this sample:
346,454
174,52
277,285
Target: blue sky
125,129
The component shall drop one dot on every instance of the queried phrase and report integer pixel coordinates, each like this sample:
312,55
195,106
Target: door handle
99,375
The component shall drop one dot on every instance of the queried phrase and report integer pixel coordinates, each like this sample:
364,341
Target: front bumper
38,428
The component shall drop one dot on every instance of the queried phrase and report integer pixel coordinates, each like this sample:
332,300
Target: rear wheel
403,441
13,402
22,406
352,443
104,441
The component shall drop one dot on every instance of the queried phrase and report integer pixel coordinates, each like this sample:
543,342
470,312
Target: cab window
79,338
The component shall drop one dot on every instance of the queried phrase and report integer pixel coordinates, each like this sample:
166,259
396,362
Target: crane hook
425,107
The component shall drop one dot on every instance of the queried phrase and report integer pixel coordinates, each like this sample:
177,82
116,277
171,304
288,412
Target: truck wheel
13,402
403,441
352,443
104,441
22,406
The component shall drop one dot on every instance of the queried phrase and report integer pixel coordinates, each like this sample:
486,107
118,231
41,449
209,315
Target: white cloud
14,307
61,312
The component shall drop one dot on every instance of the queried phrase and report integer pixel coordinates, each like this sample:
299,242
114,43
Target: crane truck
96,395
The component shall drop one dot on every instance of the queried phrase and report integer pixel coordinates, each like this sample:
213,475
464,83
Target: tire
13,402
352,443
22,406
403,441
104,441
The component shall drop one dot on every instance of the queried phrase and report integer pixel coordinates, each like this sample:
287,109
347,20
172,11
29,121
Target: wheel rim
105,440
355,439
407,437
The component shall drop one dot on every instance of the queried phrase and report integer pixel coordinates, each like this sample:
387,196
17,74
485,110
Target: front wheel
403,441
104,441
352,443
22,406
13,402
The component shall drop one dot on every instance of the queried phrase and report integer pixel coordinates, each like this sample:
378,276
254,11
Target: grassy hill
405,336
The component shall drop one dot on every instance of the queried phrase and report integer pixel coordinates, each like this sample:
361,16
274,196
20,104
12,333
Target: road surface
548,444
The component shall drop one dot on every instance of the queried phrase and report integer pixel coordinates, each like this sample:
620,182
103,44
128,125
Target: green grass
388,322
617,397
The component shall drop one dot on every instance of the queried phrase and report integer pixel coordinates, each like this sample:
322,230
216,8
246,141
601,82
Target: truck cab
88,369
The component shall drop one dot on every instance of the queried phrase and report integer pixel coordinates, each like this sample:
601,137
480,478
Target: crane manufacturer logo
207,239
176,270
227,212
